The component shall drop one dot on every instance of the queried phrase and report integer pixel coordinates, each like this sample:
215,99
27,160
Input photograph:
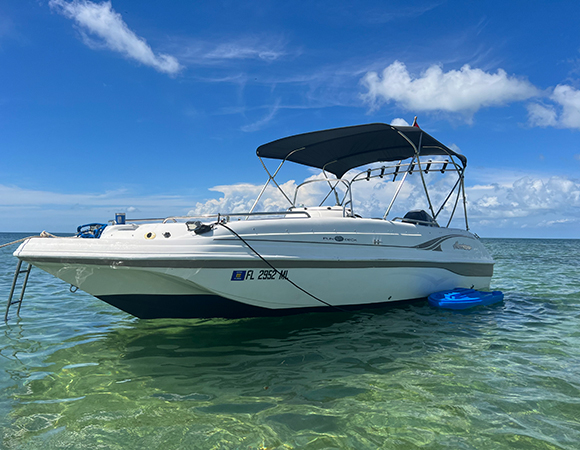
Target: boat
301,258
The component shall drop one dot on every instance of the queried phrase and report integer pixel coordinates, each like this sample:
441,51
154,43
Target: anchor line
277,271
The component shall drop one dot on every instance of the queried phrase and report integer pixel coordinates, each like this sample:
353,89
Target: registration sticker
238,275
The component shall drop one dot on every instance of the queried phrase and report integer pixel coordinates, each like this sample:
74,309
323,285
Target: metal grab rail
227,216
336,181
220,216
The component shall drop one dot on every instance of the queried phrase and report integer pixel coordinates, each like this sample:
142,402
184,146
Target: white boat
301,259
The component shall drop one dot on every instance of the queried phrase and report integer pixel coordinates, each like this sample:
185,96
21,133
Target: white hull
360,263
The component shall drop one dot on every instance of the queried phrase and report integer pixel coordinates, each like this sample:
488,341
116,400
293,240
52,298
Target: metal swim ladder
14,282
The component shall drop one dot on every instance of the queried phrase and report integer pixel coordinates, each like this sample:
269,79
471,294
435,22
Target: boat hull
301,267
161,292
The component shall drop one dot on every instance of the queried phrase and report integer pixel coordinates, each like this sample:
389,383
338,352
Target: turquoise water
76,373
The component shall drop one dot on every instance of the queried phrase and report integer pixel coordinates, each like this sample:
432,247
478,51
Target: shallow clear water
76,373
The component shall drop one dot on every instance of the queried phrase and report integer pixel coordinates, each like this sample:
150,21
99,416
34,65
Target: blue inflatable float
461,298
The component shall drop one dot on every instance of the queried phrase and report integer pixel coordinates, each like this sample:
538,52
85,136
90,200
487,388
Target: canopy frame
401,143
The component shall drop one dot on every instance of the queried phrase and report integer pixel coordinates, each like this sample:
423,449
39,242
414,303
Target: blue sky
156,108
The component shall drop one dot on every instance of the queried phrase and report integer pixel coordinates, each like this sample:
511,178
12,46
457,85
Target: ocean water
76,373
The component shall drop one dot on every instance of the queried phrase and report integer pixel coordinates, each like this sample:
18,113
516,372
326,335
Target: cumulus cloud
371,198
563,113
526,202
241,197
462,91
236,198
102,22
544,207
541,115
398,122
569,99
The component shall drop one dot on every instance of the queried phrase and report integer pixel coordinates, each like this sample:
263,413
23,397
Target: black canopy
340,149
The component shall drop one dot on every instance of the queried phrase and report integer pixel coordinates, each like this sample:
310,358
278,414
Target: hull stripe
209,306
468,269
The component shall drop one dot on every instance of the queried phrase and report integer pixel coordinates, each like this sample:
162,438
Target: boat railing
219,216
333,183
394,170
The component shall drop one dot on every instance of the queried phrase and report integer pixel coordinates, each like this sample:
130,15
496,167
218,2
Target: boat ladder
17,274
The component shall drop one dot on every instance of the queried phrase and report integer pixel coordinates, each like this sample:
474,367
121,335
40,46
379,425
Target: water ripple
79,374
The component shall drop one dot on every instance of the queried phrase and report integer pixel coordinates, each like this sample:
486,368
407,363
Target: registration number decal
266,274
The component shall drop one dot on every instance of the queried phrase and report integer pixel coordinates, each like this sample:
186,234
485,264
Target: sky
156,108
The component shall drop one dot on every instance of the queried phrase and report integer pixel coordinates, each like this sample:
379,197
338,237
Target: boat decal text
265,274
435,244
459,246
338,239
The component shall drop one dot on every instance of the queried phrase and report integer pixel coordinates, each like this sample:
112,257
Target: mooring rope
44,234
278,272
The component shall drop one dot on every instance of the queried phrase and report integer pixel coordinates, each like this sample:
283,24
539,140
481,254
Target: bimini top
340,149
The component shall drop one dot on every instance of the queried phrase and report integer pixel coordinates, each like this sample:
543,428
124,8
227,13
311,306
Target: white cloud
457,91
235,50
541,115
569,99
564,114
100,20
15,196
398,122
206,53
528,202
259,124
26,209
236,198
543,206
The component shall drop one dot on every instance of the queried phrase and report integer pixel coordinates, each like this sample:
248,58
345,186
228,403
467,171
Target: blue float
461,298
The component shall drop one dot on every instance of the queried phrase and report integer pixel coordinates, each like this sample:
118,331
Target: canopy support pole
398,188
464,200
270,178
449,196
455,205
418,152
